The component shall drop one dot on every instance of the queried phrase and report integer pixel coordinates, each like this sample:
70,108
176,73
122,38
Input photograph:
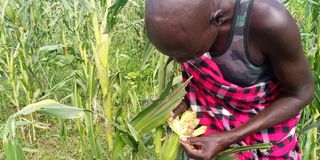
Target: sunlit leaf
53,108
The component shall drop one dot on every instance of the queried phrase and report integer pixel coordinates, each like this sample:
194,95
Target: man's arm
283,49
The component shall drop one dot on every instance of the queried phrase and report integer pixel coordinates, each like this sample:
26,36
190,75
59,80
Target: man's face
183,44
192,48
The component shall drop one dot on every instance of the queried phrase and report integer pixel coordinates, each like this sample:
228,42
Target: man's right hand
182,107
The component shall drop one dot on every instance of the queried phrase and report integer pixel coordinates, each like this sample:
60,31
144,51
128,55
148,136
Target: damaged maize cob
185,126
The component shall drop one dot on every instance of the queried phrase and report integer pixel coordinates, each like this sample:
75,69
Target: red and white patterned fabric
221,106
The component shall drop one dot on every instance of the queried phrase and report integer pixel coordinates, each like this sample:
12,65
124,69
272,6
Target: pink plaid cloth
222,106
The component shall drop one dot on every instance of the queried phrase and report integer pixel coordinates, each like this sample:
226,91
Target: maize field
80,80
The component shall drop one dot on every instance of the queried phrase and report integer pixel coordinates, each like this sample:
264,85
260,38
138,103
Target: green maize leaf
171,147
63,112
161,112
117,126
147,52
158,112
12,148
53,108
317,95
114,10
133,132
313,125
152,106
63,134
264,146
166,90
118,146
161,117
319,33
51,47
308,146
128,140
144,113
9,129
144,152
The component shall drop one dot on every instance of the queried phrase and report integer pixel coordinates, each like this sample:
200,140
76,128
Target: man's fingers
191,151
193,140
180,108
172,116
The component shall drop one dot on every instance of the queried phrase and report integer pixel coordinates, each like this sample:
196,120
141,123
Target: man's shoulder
273,28
270,16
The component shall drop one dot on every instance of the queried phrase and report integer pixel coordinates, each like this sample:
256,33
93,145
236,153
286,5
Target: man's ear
217,18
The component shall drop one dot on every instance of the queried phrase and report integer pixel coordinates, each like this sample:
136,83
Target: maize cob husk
171,147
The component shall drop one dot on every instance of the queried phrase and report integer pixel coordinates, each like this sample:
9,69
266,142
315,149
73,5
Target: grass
51,49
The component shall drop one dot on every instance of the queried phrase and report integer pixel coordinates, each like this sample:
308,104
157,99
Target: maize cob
185,126
181,127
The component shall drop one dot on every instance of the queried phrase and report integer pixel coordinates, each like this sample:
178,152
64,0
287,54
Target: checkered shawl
221,106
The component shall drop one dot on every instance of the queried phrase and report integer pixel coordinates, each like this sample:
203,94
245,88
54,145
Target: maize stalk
103,36
101,54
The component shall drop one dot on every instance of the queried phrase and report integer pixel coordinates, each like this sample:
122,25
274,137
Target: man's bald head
177,25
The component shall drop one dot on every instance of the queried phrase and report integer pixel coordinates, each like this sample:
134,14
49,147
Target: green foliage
12,147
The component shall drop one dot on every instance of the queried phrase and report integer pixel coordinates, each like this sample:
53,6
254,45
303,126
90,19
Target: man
250,77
